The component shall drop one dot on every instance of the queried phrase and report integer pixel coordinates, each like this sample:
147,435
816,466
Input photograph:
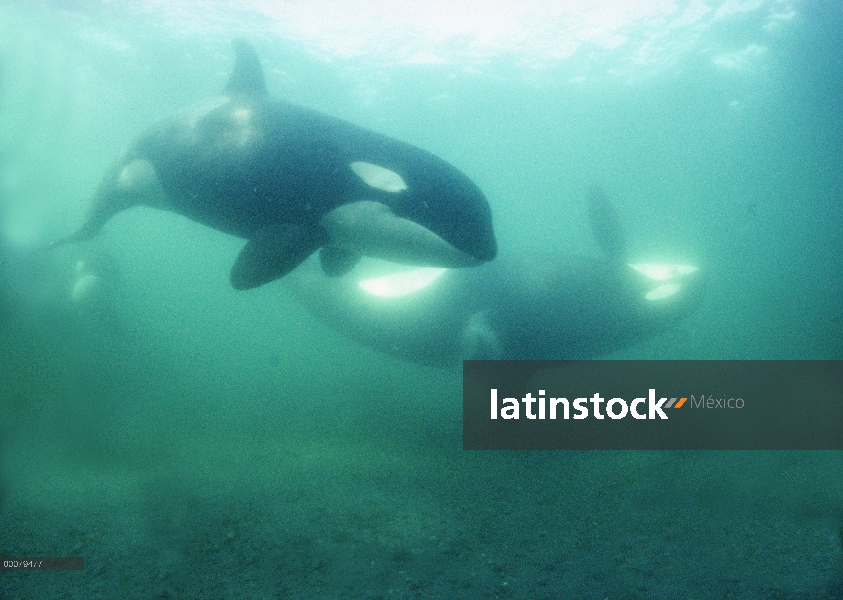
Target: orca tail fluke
128,183
89,230
606,225
82,235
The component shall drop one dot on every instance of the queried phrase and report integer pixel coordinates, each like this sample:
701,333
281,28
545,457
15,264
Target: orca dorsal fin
247,76
606,225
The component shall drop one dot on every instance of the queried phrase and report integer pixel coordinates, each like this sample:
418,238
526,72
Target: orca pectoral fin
337,261
272,252
479,339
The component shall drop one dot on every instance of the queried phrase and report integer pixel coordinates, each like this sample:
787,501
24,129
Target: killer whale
516,307
291,180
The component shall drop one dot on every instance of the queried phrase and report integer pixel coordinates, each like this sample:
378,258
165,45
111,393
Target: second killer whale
520,306
291,180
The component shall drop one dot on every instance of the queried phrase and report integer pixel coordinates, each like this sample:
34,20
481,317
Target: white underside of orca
666,278
372,229
520,307
402,283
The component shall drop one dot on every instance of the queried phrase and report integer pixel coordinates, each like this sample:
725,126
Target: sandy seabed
411,515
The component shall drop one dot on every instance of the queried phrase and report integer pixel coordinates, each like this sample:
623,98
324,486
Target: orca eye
378,177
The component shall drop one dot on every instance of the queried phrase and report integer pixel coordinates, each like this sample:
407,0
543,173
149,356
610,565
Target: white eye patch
666,290
378,177
668,276
663,272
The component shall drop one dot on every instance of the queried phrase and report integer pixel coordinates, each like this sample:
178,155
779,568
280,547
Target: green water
189,440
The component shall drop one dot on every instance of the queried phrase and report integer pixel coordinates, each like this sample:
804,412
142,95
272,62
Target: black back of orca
292,165
272,172
559,307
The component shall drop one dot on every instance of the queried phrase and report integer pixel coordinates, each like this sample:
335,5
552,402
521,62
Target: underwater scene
245,247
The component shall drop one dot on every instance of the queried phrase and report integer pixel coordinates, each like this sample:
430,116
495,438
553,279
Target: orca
291,180
516,307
